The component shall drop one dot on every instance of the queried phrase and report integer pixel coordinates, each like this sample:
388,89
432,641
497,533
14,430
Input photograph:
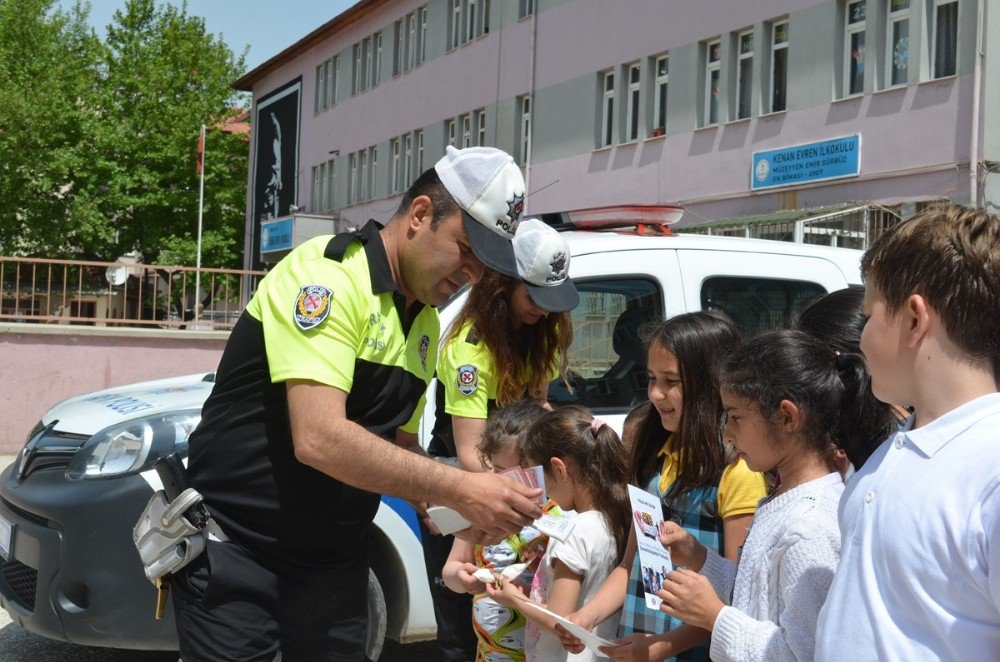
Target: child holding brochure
679,460
499,628
788,399
584,465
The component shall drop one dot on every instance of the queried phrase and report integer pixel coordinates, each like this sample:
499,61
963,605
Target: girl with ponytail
584,464
790,400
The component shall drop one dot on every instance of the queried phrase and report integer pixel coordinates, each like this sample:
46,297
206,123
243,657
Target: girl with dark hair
508,342
837,321
584,464
788,398
499,629
678,455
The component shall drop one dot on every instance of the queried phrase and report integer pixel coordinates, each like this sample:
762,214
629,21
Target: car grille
48,449
22,580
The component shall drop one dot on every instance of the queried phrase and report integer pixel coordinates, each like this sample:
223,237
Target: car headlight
133,446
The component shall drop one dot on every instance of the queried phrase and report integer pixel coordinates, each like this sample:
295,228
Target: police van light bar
626,216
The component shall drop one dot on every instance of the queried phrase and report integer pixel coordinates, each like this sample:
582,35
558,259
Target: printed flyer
654,559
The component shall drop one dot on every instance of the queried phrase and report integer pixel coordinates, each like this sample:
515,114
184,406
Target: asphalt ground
19,645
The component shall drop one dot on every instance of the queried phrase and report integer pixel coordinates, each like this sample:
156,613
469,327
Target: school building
808,120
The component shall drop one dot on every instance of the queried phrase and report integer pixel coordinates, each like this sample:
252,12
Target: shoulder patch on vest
312,306
468,379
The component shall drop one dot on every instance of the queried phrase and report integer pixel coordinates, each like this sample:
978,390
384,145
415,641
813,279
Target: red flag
200,161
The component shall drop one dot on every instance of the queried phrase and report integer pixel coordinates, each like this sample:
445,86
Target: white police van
68,567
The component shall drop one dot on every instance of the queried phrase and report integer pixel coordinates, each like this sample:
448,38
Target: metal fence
34,290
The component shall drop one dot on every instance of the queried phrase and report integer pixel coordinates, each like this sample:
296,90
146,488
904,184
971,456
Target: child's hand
633,647
685,550
569,640
469,583
505,592
690,597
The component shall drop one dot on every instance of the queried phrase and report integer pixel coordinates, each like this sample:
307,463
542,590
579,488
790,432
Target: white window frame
411,41
633,77
456,23
486,17
607,108
470,20
451,135
363,169
375,73
394,166
893,18
420,153
524,109
422,50
328,190
851,29
661,82
937,4
317,184
400,39
352,182
775,47
741,85
407,160
372,167
525,8
712,66
481,127
356,73
331,80
366,51
466,131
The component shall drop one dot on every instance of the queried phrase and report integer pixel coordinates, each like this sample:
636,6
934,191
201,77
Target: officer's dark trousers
452,611
231,608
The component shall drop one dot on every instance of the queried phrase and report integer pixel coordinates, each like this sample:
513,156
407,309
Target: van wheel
377,618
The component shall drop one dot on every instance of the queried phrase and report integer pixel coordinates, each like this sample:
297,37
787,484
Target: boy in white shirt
919,576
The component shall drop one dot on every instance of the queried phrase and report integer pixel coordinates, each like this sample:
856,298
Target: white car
69,570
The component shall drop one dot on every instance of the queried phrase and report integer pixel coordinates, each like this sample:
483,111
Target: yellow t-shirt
739,488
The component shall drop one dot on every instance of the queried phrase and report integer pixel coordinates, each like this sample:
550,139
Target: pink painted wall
39,366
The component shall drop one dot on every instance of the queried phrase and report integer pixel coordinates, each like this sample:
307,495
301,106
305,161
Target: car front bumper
72,572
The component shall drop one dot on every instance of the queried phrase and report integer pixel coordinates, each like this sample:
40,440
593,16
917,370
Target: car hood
91,412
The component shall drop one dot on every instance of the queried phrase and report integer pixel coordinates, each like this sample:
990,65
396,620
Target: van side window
758,304
607,359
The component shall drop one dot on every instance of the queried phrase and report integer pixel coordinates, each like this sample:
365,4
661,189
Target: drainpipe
531,93
974,139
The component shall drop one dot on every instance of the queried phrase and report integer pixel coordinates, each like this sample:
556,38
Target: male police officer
330,360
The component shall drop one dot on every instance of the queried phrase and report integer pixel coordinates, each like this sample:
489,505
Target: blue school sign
802,164
276,235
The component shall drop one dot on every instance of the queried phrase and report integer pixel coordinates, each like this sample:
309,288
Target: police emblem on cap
558,265
425,343
515,209
312,306
468,379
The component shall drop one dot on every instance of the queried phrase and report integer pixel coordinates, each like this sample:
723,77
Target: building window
356,71
450,134
366,72
854,47
481,127
411,41
407,159
317,193
352,182
662,69
486,16
422,51
363,180
397,56
456,23
420,153
744,75
375,71
470,21
779,66
331,179
713,71
372,166
394,166
632,73
524,142
326,84
525,8
898,40
608,108
466,131
945,30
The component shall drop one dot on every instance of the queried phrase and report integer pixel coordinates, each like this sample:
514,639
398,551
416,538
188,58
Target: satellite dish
116,275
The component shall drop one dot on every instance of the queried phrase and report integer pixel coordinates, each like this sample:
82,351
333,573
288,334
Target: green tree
117,126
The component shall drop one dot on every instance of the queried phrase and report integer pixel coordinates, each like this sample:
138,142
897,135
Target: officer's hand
497,504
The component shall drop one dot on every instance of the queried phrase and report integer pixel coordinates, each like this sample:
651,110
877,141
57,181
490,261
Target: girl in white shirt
788,398
584,464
